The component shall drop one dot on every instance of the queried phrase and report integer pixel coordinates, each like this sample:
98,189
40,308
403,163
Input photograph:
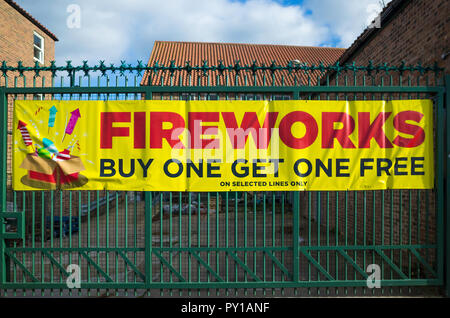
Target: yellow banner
223,145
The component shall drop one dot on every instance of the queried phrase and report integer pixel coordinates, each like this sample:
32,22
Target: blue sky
115,30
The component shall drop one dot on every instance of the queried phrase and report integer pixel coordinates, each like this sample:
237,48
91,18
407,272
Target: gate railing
305,241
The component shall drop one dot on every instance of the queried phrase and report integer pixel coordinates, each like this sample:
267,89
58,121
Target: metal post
148,229
295,222
447,185
148,239
3,180
295,235
440,216
72,79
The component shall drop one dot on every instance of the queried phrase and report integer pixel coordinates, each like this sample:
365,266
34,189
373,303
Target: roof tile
164,52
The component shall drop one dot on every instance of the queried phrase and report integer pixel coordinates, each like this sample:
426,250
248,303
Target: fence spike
205,68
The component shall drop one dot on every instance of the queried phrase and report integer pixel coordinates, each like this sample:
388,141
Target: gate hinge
14,225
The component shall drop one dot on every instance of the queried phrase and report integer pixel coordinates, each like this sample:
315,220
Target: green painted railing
204,68
251,243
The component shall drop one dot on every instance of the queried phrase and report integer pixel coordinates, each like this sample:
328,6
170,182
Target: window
253,97
186,96
38,44
38,97
281,97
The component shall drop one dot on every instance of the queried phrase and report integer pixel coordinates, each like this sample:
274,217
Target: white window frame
41,49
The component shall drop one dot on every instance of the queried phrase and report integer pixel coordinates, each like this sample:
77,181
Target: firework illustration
72,122
52,117
37,112
47,166
25,134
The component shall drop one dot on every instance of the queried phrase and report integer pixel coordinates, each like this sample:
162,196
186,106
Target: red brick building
23,38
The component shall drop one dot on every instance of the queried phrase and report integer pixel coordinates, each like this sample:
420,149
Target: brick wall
420,32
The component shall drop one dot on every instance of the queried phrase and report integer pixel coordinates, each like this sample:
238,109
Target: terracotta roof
31,19
164,52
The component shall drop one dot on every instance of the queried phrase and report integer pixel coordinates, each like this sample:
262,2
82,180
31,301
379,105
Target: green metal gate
238,243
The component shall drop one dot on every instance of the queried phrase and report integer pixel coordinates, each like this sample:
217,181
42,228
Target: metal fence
222,243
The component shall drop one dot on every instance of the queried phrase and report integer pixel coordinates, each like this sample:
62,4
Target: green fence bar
3,180
440,172
295,236
447,197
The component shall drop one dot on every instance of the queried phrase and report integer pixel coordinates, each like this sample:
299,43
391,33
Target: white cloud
346,18
255,21
114,30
